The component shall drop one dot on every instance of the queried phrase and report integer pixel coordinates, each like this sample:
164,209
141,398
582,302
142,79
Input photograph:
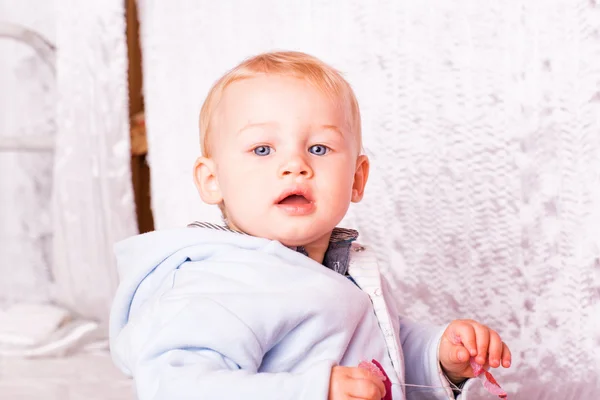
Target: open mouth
294,200
296,196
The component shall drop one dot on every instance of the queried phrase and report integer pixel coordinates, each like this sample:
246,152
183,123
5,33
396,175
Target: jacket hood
144,261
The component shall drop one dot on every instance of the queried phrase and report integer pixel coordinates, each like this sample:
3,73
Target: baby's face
285,159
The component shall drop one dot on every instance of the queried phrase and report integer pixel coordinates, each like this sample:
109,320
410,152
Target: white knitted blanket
482,120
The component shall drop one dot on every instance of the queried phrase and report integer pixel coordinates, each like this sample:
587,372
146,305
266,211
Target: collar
337,254
337,235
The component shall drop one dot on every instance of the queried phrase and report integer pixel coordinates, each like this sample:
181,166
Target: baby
279,303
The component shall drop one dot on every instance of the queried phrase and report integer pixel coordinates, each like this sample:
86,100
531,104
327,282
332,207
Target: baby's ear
205,178
361,175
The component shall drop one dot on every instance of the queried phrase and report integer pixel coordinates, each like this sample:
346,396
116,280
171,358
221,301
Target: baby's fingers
365,385
495,350
462,331
482,333
506,356
459,355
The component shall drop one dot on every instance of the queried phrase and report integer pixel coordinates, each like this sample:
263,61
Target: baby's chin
300,237
300,233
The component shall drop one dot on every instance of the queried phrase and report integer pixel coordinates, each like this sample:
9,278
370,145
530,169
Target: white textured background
27,101
61,213
93,197
482,120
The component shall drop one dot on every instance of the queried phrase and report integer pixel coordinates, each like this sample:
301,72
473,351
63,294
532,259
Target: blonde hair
287,63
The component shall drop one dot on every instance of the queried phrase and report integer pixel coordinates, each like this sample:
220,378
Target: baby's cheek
338,202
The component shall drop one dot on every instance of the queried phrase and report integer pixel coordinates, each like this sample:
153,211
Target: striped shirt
337,255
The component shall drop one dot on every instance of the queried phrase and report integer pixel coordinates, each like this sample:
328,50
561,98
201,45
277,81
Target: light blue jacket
205,314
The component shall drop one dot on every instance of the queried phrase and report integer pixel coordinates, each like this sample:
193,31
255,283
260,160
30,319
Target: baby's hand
355,383
464,339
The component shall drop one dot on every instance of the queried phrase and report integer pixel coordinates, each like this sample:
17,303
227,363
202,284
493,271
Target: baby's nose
296,166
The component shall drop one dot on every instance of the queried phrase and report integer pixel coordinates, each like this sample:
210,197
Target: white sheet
81,377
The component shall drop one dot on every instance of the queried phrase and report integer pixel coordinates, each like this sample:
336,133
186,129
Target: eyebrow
271,124
333,128
257,125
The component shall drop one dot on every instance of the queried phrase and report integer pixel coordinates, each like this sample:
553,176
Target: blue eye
318,150
262,150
